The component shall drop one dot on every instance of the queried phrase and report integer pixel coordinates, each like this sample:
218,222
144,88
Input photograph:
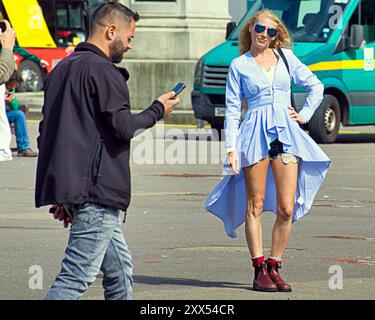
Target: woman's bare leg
286,184
255,181
285,176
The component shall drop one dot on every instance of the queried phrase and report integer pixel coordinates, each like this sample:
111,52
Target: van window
364,15
368,20
307,7
307,20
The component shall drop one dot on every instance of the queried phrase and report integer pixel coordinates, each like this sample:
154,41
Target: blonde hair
282,40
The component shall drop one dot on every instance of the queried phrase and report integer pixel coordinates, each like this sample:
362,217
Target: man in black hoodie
84,144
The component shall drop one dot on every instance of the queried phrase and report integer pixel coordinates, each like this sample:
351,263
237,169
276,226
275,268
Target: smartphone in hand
178,89
3,26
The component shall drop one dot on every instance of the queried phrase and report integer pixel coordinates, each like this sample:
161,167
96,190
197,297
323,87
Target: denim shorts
278,151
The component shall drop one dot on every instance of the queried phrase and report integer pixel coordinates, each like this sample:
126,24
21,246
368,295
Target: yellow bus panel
27,20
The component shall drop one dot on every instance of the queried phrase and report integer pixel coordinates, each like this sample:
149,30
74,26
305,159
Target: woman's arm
303,77
6,65
233,97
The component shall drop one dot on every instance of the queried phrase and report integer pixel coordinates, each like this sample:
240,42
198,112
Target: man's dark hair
111,11
16,77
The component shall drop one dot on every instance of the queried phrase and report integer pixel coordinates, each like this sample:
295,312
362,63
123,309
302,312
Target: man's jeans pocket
85,217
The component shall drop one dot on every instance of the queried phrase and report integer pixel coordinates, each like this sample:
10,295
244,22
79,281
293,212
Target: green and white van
334,38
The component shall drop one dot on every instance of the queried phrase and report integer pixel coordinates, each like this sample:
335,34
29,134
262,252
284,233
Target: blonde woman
277,166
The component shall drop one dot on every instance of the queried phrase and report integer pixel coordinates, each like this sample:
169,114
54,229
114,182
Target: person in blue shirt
276,166
16,115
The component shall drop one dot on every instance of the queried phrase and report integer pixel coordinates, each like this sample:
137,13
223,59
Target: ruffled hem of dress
272,127
313,167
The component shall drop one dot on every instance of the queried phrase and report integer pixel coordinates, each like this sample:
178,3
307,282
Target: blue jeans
96,243
19,119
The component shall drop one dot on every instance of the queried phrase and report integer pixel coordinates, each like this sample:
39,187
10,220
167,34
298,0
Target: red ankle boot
273,267
262,280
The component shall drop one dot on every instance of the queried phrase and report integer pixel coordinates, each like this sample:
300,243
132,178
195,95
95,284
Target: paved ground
181,252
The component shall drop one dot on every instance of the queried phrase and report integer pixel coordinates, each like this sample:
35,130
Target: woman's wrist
301,120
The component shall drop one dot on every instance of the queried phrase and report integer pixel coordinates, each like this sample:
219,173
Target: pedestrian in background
84,146
16,114
277,166
7,41
29,56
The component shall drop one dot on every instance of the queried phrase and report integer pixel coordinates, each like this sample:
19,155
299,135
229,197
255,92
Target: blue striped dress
267,119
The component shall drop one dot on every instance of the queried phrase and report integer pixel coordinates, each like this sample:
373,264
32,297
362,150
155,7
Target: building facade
171,37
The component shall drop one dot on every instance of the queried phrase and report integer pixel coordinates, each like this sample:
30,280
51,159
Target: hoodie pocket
96,163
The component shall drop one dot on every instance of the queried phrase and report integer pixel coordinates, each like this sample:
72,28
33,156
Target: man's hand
44,64
168,102
58,212
8,38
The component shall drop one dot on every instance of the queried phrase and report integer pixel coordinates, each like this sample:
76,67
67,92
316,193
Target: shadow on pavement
355,138
148,280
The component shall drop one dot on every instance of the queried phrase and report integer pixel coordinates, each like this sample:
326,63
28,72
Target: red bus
48,29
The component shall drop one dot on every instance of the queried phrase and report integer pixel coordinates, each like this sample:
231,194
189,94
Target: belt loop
125,213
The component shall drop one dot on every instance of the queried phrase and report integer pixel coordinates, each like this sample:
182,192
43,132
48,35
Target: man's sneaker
27,153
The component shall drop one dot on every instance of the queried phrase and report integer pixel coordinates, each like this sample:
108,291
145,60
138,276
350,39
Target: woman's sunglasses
259,28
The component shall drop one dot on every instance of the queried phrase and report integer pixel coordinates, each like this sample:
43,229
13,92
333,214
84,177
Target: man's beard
117,50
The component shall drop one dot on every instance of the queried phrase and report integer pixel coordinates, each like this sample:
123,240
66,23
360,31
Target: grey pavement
181,252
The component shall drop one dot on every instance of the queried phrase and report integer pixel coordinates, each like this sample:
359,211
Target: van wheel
32,76
325,123
218,126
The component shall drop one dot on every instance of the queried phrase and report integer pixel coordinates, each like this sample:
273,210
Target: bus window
93,4
75,18
62,18
69,16
67,20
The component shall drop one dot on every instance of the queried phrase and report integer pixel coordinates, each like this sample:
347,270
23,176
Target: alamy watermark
174,146
336,281
335,20
36,279
36,18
